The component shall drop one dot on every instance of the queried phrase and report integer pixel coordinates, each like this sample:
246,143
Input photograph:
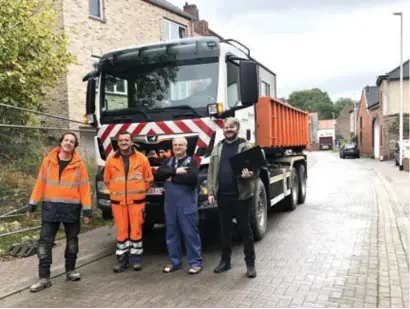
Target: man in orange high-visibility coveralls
128,177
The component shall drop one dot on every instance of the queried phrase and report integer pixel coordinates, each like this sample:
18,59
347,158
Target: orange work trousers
128,221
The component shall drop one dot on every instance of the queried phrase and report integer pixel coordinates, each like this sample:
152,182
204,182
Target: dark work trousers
228,207
45,244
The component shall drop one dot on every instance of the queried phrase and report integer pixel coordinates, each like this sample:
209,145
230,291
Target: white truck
185,88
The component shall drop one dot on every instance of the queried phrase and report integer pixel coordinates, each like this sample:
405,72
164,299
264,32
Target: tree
33,53
341,103
313,100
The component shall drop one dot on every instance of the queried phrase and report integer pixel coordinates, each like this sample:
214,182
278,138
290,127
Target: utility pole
401,92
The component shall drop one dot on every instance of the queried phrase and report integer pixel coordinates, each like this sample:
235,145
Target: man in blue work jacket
180,174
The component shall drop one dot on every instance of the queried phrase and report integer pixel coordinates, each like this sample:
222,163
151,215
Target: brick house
378,114
389,89
370,123
343,124
95,27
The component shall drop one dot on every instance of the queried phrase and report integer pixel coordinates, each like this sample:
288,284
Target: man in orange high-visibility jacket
64,189
128,176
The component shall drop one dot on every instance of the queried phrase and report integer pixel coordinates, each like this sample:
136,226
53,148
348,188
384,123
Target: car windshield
349,146
154,87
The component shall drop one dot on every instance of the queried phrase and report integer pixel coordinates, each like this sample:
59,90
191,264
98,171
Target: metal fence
26,136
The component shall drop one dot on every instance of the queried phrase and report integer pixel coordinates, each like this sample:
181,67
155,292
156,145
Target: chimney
201,27
192,10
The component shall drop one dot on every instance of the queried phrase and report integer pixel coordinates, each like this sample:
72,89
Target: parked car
349,150
397,151
324,147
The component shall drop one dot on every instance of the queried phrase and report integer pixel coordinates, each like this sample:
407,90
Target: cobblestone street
342,248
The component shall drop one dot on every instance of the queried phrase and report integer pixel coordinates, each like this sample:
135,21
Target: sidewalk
397,184
23,272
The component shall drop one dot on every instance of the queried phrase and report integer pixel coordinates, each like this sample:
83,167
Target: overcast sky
339,46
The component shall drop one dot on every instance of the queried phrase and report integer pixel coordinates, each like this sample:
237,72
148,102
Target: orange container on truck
186,88
281,125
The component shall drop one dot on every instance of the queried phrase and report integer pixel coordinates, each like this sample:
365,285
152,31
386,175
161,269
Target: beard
231,137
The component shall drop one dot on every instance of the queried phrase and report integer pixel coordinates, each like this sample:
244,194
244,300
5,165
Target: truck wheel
291,201
259,211
302,183
147,228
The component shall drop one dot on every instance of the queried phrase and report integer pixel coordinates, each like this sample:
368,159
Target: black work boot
122,263
222,266
137,266
41,285
250,271
73,275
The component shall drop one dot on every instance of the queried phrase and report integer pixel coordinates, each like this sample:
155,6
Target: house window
361,123
95,8
94,66
116,86
233,83
265,89
173,31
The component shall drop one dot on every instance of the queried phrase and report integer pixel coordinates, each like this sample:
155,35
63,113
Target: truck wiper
139,110
190,108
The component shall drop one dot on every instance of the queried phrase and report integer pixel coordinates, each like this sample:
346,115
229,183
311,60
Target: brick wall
391,132
365,127
58,96
343,123
125,23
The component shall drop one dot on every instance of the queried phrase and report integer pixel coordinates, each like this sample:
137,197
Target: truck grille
161,149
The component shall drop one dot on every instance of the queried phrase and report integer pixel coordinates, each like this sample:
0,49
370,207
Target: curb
56,271
402,220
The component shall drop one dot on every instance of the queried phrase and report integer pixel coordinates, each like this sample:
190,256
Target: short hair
125,133
76,142
234,121
182,138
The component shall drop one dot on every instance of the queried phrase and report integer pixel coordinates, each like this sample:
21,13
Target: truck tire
147,228
259,211
290,202
302,183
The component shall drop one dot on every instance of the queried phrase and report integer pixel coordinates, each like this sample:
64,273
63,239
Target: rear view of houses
375,120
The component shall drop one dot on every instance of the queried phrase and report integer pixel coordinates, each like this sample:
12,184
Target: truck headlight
102,188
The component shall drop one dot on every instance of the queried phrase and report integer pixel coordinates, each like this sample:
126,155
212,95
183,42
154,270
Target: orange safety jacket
131,188
62,197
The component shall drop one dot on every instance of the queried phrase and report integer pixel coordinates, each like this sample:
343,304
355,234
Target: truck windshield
155,89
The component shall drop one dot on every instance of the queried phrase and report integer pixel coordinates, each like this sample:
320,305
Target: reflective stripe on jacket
133,188
66,194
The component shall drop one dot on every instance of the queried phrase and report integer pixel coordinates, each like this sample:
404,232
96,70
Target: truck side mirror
90,99
89,117
249,82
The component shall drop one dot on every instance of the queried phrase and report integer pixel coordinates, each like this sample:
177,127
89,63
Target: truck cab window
233,83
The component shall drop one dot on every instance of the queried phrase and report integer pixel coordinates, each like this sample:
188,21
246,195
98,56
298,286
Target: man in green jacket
233,196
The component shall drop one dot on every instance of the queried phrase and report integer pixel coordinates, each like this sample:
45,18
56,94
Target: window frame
101,5
238,80
266,88
116,92
168,36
